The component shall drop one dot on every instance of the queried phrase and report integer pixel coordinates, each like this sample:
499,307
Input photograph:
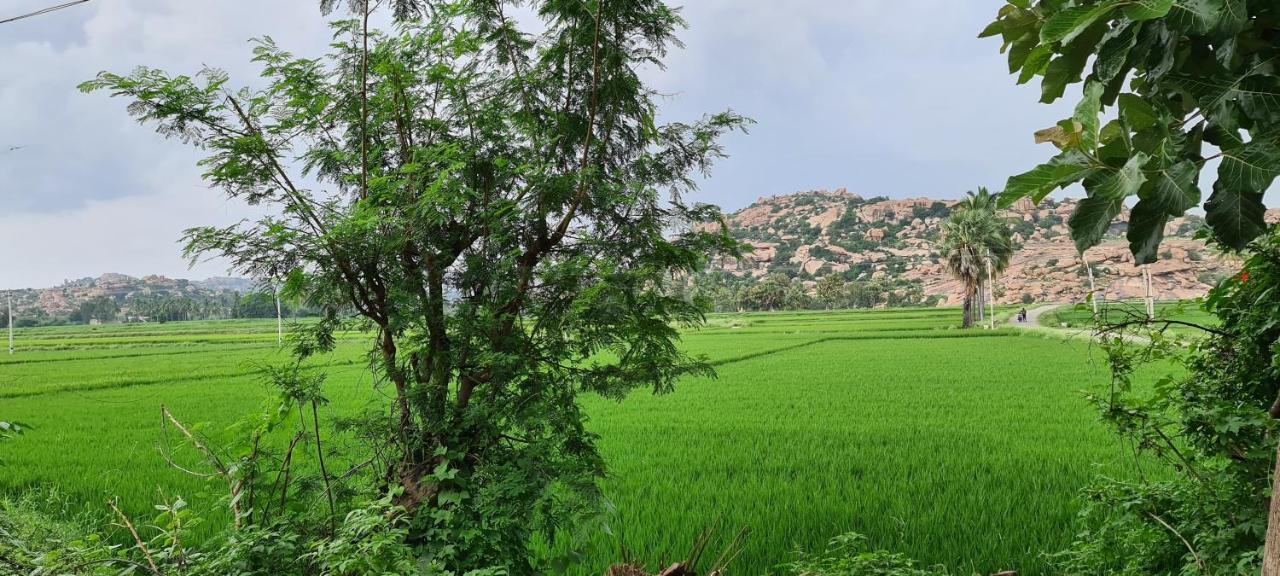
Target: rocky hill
814,234
132,297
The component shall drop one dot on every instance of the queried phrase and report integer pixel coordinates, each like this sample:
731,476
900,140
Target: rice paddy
964,448
1186,315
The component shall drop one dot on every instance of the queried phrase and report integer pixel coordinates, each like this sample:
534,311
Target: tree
497,206
831,292
1182,74
101,309
976,242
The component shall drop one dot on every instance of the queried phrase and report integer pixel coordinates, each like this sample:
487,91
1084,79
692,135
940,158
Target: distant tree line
722,292
162,308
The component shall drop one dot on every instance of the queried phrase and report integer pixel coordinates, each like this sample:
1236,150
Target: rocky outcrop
814,234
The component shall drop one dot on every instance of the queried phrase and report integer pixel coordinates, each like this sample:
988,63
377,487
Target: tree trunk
1271,554
968,312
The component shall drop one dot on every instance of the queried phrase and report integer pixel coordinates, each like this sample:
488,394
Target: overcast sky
847,94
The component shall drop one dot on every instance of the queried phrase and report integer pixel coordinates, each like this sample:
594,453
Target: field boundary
942,335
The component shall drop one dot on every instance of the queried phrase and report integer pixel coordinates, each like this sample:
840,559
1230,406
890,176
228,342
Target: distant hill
224,284
810,235
128,298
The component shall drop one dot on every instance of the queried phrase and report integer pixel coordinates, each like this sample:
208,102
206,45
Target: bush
851,555
1214,425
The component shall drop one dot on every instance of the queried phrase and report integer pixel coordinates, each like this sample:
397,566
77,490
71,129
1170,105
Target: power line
43,11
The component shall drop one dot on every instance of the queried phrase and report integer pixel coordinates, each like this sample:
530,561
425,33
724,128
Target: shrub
851,555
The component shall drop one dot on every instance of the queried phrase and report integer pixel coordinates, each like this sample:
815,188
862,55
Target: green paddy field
965,448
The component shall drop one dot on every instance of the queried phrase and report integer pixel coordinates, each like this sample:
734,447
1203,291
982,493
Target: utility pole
991,283
1093,288
10,294
1150,299
279,321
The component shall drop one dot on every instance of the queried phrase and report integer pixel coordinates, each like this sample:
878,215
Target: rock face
815,234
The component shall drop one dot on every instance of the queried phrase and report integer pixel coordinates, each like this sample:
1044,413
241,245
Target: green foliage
496,204
797,392
1180,75
1216,425
977,243
100,309
850,555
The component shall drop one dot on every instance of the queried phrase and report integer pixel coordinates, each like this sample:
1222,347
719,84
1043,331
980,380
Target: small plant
851,555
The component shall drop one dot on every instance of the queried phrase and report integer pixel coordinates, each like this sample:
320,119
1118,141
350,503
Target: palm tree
976,242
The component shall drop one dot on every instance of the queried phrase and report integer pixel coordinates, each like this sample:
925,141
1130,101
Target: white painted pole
10,323
991,288
279,321
1151,300
1093,288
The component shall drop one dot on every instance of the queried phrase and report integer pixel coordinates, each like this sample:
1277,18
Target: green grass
960,447
1120,312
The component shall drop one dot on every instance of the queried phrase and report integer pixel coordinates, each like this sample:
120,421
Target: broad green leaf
1020,26
1148,9
1069,66
1196,16
1235,211
1067,168
1020,50
1068,24
1113,131
1169,193
1115,51
1137,112
993,29
1233,18
1107,195
1259,97
1174,189
1035,63
1087,115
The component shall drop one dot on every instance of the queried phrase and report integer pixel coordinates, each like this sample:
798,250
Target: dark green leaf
1196,16
1115,51
1137,112
1067,168
1087,115
1236,212
1169,193
992,29
1035,63
1148,9
1066,25
1107,195
1067,67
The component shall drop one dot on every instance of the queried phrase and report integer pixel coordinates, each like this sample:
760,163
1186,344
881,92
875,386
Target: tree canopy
500,206
976,242
1184,81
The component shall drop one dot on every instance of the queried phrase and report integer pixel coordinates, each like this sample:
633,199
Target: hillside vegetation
893,244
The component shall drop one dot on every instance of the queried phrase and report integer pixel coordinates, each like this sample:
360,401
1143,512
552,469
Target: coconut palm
976,242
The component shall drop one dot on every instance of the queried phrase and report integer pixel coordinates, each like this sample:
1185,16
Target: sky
850,94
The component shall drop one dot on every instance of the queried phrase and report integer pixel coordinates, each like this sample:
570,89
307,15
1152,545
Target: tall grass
960,447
